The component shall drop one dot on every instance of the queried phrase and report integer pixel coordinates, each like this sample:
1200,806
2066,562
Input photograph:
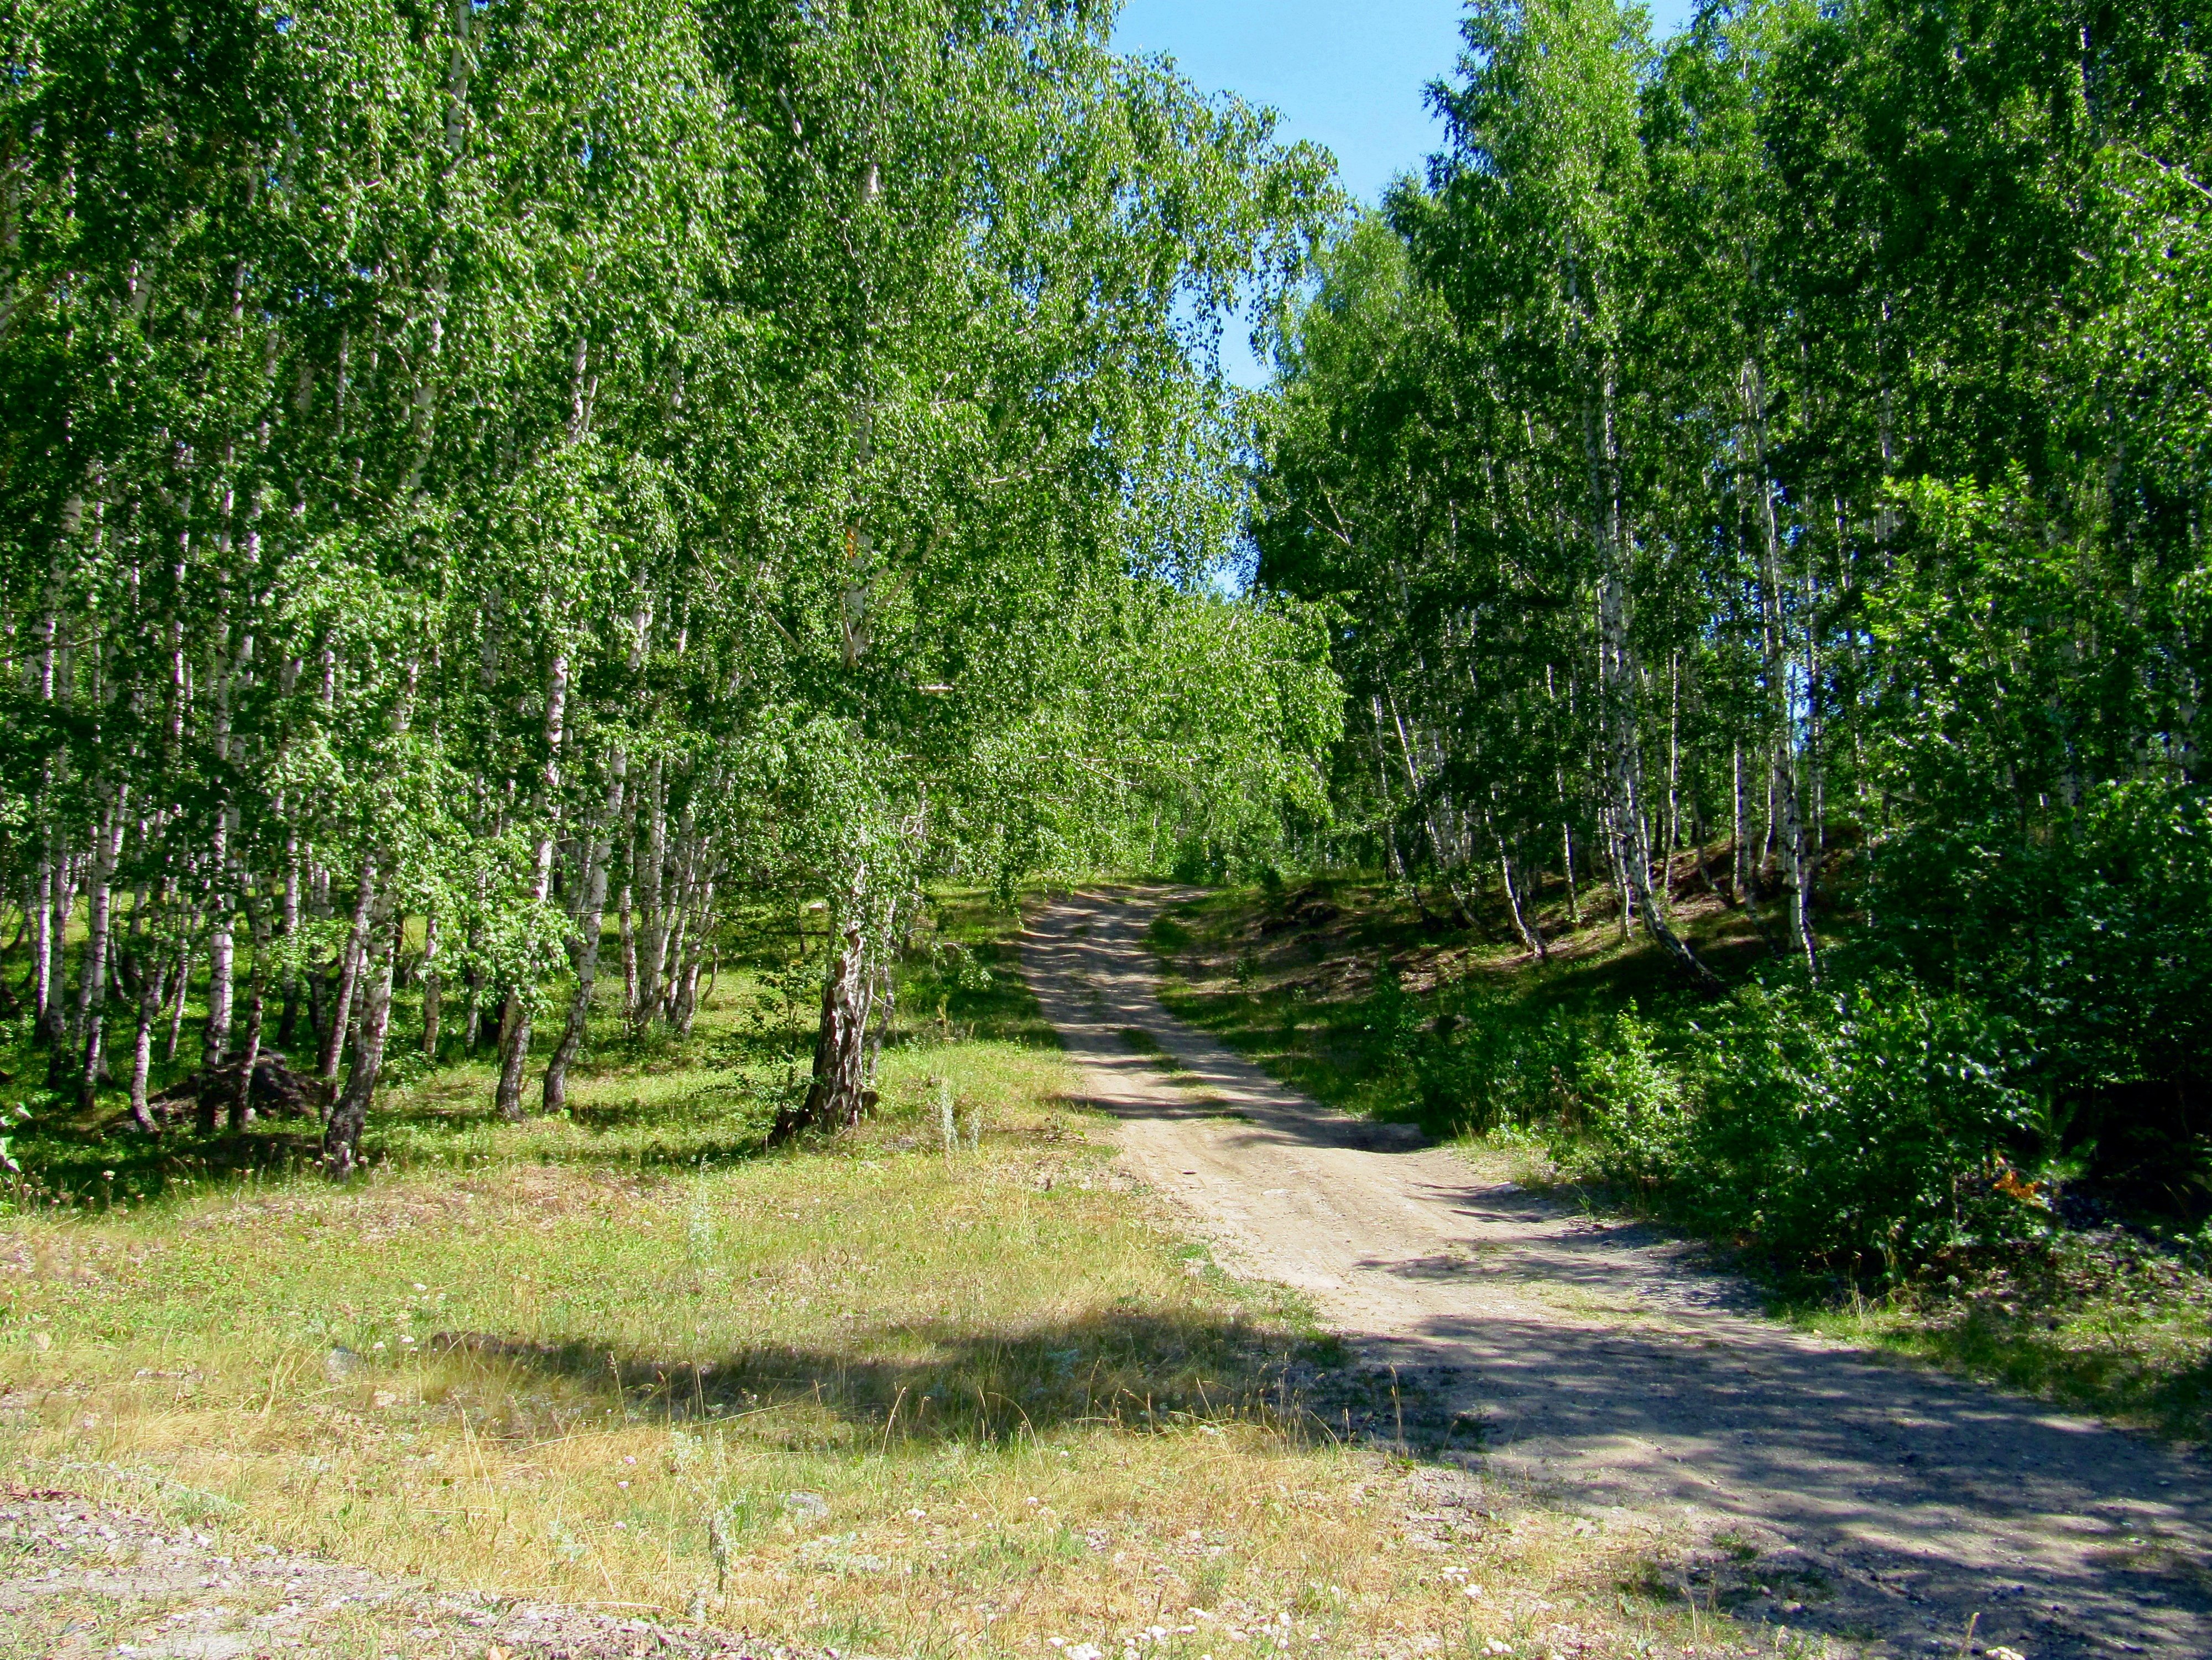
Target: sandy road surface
1605,1367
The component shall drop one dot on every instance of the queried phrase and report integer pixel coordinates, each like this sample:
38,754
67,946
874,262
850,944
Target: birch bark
108,848
357,944
1789,825
583,944
350,1112
514,1027
834,1097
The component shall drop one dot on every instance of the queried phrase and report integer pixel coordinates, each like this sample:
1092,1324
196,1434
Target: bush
1496,1063
2094,936
1866,1126
1849,1129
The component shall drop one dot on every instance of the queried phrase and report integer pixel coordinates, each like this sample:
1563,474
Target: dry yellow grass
873,1396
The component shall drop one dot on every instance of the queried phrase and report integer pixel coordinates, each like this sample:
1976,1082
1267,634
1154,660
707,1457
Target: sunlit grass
872,1392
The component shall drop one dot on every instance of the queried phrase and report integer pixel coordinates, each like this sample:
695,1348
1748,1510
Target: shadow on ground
1138,1371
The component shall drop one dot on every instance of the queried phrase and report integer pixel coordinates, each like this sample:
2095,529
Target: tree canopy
1789,435
472,467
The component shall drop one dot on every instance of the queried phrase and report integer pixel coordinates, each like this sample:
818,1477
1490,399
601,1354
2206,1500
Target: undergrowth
1876,1152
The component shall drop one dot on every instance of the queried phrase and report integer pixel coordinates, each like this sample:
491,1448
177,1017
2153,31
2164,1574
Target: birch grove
492,486
1768,465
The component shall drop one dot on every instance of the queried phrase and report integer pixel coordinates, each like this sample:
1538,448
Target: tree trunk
1437,847
350,1112
242,1100
1624,893
1740,804
1617,672
334,1040
289,926
1630,835
53,1026
107,849
54,688
1524,918
584,946
627,929
1393,859
214,1036
1673,774
472,1034
685,1003
183,984
653,934
153,992
430,988
515,1024
1567,868
1789,825
837,1097
42,946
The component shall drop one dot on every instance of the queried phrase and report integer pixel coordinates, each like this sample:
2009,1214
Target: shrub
1494,1061
1841,1129
2095,936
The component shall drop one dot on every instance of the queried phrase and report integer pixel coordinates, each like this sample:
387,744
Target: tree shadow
915,1383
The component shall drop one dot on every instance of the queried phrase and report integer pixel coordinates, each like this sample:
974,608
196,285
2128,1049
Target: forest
500,497
482,476
732,912
1764,469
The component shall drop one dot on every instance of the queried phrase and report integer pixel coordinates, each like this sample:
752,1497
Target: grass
870,1393
2101,1321
1329,985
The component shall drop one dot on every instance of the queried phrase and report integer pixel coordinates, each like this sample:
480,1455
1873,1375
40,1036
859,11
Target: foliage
1781,448
475,468
1841,1129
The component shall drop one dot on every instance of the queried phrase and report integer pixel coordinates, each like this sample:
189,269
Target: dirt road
1604,1366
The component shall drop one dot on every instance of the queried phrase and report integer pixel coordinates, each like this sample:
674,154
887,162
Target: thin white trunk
514,1028
350,1112
107,849
349,972
1788,823
583,944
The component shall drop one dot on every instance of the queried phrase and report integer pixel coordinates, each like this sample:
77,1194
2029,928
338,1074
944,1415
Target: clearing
614,1381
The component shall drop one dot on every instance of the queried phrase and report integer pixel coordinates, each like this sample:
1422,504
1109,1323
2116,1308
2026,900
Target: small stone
811,1506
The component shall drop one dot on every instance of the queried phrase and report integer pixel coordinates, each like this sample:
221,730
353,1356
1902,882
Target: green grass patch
933,1402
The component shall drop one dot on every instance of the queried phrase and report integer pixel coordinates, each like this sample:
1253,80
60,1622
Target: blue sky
1344,72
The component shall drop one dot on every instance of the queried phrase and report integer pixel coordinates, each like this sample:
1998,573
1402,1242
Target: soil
1598,1364
79,1578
